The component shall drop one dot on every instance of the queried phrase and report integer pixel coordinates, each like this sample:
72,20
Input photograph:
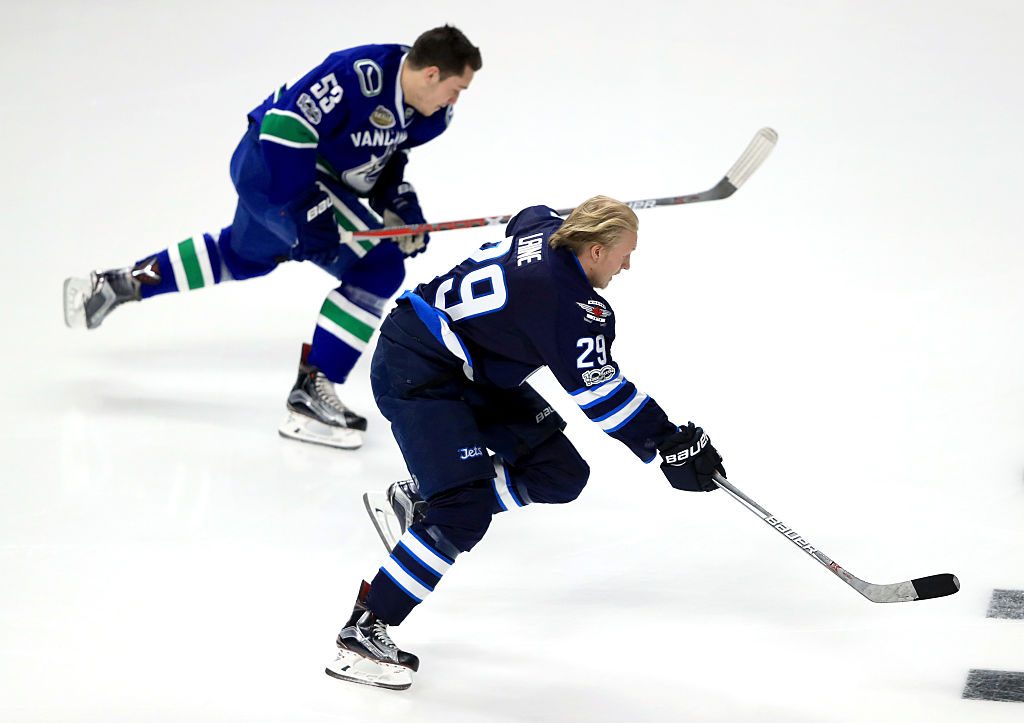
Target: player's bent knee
578,479
572,484
568,471
461,515
380,272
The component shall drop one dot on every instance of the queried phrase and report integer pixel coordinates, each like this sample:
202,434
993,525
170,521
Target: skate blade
76,291
304,429
384,518
357,669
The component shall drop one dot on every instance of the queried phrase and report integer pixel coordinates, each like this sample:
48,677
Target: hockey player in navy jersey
314,150
450,371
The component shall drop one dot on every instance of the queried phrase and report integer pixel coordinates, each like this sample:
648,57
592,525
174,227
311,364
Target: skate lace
410,487
121,281
325,391
380,632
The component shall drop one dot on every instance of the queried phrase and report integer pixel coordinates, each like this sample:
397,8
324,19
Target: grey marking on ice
1006,604
998,685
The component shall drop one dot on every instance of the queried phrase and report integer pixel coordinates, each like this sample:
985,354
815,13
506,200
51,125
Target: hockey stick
922,588
752,158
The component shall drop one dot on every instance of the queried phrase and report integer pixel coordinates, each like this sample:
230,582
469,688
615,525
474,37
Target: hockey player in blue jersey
449,373
314,150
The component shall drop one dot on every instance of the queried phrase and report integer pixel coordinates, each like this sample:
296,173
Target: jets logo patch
596,311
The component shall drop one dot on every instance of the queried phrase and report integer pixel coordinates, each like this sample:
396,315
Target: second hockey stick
921,588
751,159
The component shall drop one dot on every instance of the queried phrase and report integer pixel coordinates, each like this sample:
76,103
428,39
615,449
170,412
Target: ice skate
394,511
315,414
366,653
87,302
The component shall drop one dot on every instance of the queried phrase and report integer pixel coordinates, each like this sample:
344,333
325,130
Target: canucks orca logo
361,178
596,311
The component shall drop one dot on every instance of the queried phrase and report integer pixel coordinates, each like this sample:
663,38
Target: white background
847,328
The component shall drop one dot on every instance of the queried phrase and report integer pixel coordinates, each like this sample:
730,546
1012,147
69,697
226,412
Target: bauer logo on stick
639,205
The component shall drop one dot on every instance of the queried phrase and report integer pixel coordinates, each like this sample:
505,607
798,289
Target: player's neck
407,78
586,268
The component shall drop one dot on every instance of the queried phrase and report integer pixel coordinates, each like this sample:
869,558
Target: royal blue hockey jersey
517,305
346,118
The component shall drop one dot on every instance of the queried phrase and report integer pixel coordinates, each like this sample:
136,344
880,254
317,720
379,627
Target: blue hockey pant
259,241
475,449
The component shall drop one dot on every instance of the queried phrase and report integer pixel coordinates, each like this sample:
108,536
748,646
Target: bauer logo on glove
678,459
689,461
318,209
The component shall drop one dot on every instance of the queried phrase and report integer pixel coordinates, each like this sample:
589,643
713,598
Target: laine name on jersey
516,305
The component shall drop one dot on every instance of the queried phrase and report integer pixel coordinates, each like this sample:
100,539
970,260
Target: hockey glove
403,209
318,239
690,461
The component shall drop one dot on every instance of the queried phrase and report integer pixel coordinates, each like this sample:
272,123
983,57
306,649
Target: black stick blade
935,586
722,189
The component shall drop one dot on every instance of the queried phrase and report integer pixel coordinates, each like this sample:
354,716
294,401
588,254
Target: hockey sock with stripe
189,265
509,493
409,574
344,327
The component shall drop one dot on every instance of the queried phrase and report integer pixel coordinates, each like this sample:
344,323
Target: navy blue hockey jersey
517,305
347,118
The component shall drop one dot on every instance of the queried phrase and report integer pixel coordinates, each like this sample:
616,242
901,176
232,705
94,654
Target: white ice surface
847,327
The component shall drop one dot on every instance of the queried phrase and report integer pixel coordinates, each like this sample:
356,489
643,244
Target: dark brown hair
448,49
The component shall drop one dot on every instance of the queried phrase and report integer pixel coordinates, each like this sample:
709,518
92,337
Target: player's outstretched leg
394,511
315,414
87,302
366,652
196,263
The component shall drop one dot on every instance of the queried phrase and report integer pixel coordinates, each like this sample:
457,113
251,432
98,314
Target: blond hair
599,220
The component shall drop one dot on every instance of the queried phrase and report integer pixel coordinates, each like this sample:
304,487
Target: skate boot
366,653
315,414
87,302
393,512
